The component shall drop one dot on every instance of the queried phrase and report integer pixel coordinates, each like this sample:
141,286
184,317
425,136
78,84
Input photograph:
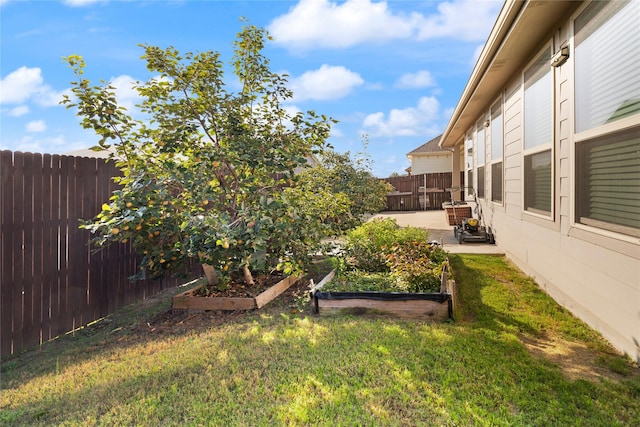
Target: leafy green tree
350,176
210,173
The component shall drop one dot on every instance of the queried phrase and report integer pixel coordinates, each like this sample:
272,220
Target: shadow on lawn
471,371
291,370
470,283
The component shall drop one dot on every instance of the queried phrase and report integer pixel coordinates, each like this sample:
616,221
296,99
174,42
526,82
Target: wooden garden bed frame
189,301
435,306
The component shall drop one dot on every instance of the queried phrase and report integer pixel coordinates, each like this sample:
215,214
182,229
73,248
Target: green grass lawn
512,357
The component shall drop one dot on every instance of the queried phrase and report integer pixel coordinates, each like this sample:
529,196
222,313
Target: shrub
382,256
417,266
368,245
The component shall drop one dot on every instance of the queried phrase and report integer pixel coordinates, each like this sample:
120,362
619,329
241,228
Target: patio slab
440,230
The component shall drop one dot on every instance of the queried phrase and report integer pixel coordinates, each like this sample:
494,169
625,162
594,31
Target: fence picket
38,243
6,255
18,249
29,331
47,272
50,282
410,191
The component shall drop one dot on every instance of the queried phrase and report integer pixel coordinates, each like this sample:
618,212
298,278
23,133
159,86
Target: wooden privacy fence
50,282
419,192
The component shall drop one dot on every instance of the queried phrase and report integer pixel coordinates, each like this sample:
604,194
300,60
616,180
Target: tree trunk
248,277
210,273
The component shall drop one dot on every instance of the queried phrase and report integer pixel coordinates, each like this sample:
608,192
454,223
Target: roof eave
519,29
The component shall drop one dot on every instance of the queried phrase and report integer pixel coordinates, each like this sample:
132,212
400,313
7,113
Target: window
537,181
607,113
496,152
608,182
538,135
607,63
480,158
468,145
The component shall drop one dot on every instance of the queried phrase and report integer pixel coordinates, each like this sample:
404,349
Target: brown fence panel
418,192
48,238
6,248
50,279
18,258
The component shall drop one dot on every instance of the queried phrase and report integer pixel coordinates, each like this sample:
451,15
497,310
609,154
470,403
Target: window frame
469,163
631,123
481,159
494,161
540,148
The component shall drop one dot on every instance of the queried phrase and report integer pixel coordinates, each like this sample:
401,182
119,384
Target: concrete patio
440,230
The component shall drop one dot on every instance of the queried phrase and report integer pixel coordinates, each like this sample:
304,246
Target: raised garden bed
435,306
192,300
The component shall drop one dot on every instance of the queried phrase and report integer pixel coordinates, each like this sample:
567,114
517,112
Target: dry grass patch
577,360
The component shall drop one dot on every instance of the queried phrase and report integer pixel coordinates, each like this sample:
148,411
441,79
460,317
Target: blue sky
392,70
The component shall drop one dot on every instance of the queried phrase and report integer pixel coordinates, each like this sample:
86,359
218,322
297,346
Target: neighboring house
547,132
87,152
429,158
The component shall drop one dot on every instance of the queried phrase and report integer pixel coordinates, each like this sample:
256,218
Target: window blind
607,63
481,179
538,103
608,182
496,132
496,182
537,182
480,144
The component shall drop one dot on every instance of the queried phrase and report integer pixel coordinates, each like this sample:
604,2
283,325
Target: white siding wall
594,275
439,163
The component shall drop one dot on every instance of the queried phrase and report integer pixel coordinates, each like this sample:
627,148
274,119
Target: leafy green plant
399,259
367,246
210,174
417,266
358,280
350,176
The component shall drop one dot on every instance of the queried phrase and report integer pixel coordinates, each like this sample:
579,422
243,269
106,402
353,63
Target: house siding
594,274
433,163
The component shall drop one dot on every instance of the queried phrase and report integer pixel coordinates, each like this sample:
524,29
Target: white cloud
52,145
410,121
80,3
326,24
476,55
126,95
20,85
417,80
51,98
321,23
326,83
468,20
27,84
336,132
18,111
36,126
123,88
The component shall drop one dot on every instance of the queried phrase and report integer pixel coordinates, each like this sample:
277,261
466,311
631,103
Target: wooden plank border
190,302
424,306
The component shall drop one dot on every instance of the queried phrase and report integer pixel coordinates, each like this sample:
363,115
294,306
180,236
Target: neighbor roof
428,147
